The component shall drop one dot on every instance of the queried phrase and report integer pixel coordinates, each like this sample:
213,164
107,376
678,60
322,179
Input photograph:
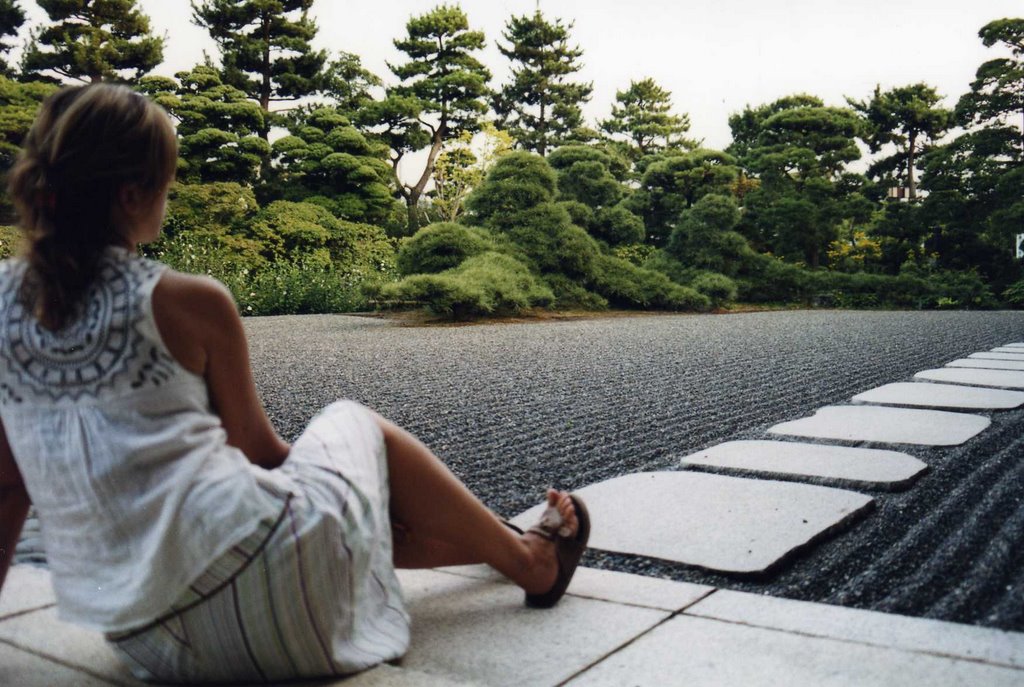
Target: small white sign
1020,246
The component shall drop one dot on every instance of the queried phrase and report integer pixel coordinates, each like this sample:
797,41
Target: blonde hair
85,144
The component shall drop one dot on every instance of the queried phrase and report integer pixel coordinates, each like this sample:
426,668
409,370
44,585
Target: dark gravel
513,408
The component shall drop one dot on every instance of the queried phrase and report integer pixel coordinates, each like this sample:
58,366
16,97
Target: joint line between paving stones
71,666
858,642
18,614
652,628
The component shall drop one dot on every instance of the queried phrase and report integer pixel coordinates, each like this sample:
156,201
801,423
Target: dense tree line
290,161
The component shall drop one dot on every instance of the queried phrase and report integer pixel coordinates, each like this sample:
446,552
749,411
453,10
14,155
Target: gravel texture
513,408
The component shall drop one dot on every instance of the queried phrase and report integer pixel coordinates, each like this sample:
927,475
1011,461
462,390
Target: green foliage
19,103
625,285
589,183
347,83
617,226
704,239
10,241
517,181
1013,295
486,284
11,19
642,116
718,288
441,95
218,126
540,106
439,247
91,41
902,116
673,183
571,295
328,161
265,47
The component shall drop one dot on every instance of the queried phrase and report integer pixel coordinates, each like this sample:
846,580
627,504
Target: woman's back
129,468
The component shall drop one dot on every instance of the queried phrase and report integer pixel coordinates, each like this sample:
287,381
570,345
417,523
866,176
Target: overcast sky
715,56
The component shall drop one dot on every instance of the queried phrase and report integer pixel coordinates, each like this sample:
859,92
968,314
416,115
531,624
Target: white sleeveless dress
197,565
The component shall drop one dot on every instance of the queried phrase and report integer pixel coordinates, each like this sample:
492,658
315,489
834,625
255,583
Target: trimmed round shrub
617,226
717,287
571,295
486,284
439,247
628,286
580,214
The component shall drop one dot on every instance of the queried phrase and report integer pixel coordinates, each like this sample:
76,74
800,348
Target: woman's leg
438,521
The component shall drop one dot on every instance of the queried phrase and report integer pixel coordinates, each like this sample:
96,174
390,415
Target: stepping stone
867,467
1009,349
942,396
988,355
1003,378
988,364
887,425
689,650
726,524
1014,345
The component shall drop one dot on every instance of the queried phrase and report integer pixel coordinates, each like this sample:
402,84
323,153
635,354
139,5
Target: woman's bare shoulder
194,314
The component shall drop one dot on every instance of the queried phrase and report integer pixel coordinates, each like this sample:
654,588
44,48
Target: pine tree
92,40
11,19
218,126
440,98
541,108
642,114
265,47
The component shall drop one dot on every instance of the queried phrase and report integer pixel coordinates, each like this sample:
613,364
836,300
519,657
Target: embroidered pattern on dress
96,351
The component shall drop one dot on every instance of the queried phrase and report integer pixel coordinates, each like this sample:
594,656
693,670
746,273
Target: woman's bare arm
14,503
201,327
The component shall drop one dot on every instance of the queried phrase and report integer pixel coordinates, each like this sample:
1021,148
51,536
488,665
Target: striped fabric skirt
311,593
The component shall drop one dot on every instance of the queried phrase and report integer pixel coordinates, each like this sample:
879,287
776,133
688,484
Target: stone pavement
470,627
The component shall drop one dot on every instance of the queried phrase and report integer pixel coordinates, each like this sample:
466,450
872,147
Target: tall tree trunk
412,200
911,182
542,146
265,84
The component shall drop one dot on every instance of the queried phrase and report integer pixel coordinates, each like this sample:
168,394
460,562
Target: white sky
715,56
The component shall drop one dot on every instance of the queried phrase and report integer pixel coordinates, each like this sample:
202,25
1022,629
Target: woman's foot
559,519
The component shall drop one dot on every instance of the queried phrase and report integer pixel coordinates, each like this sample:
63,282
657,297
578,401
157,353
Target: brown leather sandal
568,550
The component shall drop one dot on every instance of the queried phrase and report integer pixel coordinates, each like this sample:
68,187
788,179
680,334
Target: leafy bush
297,288
1014,294
550,241
580,214
717,287
628,286
767,279
571,295
486,284
617,226
440,246
10,241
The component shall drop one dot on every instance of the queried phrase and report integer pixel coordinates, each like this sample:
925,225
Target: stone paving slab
942,396
1008,379
1008,349
1015,345
43,633
988,355
21,669
480,631
987,364
689,650
26,588
867,467
887,425
952,640
727,524
609,585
